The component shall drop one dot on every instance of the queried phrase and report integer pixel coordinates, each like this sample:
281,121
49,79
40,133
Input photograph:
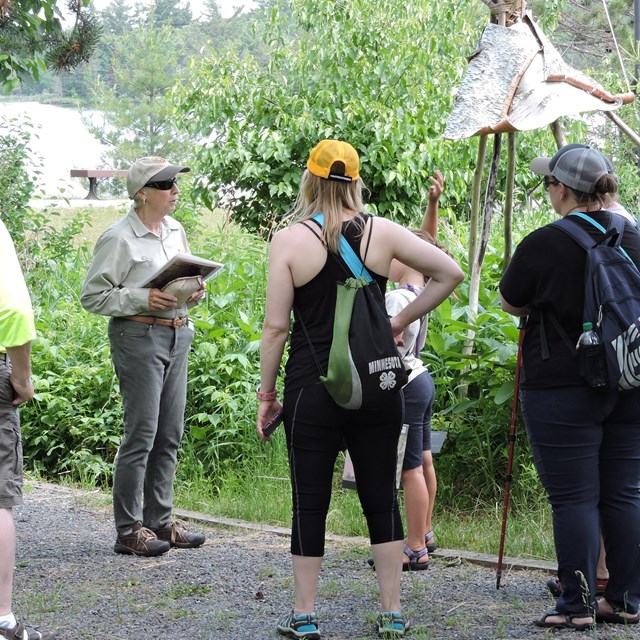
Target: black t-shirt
316,302
547,271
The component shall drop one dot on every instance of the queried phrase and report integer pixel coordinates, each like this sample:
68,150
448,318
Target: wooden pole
508,199
558,133
625,128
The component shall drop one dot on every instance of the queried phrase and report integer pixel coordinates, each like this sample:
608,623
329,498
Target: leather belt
163,322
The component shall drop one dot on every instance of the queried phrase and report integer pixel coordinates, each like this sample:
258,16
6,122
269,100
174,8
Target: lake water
61,142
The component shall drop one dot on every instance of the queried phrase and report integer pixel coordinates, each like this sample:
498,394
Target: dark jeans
317,430
586,446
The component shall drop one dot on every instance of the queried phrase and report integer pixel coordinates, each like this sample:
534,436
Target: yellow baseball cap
334,160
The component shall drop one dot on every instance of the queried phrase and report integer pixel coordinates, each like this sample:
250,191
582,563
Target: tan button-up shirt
126,255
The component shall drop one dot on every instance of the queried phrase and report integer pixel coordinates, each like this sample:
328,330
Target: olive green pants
151,364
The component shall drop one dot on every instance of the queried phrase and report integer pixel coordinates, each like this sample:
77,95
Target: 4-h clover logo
387,380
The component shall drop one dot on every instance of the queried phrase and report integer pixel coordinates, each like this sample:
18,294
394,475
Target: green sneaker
391,624
302,626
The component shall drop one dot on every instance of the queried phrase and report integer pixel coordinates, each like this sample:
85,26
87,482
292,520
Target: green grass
263,495
223,468
100,217
267,500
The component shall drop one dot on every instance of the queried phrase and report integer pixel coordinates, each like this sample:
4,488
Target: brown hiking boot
141,542
23,632
178,535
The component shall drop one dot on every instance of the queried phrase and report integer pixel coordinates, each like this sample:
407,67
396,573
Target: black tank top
316,302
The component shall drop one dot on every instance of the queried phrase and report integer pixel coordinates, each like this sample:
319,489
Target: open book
182,265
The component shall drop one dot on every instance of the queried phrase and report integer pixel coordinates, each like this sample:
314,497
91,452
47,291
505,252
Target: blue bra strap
348,254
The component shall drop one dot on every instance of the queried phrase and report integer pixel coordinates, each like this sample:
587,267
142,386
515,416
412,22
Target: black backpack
365,369
611,298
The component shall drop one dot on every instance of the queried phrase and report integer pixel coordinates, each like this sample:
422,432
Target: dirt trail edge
239,583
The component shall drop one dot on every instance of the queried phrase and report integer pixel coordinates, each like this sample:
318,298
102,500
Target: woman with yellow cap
302,277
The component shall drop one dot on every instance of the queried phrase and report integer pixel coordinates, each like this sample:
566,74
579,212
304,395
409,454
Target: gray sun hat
150,169
578,166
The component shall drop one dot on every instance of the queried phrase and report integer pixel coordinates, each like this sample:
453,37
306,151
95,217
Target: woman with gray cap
585,442
150,337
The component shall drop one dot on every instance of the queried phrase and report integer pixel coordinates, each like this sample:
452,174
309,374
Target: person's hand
196,296
437,186
398,330
23,388
161,301
266,410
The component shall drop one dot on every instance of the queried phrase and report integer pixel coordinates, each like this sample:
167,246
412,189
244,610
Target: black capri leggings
317,430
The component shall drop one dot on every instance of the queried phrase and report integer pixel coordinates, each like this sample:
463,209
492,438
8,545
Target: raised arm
444,273
430,219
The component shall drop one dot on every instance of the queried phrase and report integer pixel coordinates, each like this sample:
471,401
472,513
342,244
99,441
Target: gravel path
239,582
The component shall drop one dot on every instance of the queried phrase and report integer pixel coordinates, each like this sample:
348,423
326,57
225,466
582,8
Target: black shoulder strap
574,231
366,249
614,232
315,233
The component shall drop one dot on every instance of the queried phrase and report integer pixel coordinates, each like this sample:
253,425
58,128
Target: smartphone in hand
272,423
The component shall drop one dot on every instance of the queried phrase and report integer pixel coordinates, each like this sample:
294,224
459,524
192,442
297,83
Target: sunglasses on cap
163,185
548,180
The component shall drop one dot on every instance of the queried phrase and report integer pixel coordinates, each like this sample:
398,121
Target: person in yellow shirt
17,331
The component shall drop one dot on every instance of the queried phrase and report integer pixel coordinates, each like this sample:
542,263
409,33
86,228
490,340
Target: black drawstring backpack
365,369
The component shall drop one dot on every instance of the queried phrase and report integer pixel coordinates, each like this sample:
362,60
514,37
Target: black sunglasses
548,181
163,185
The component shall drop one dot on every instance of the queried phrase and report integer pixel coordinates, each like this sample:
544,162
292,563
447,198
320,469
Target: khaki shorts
10,443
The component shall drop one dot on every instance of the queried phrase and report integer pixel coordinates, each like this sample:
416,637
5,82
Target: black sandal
567,623
430,547
555,587
414,557
617,615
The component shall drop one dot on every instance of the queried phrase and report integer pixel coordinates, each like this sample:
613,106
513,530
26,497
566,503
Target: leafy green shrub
361,71
16,187
74,424
224,371
73,427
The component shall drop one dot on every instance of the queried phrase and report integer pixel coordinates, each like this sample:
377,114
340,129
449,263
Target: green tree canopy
378,74
33,38
116,18
170,13
135,107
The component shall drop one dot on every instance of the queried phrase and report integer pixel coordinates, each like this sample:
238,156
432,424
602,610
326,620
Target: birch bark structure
517,81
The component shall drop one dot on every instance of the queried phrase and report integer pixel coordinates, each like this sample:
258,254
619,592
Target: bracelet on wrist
267,396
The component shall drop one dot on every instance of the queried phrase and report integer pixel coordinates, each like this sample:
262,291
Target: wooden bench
93,175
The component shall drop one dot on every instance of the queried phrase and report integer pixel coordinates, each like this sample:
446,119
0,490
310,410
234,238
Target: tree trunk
508,199
480,243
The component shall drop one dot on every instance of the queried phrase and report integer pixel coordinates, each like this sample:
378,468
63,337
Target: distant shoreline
76,203
60,141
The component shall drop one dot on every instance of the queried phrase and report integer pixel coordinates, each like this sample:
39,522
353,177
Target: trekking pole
512,443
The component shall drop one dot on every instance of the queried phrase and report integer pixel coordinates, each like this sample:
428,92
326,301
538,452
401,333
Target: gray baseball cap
150,169
579,166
